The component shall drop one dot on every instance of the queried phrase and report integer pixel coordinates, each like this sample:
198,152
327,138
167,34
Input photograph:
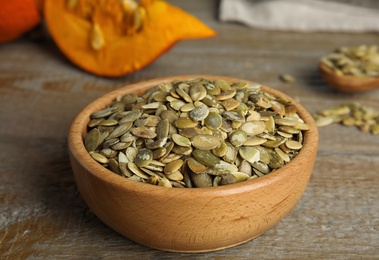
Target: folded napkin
303,15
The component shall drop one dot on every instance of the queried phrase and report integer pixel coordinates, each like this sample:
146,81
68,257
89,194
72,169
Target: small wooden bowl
348,84
191,219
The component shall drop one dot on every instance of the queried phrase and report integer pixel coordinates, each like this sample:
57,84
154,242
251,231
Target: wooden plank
42,213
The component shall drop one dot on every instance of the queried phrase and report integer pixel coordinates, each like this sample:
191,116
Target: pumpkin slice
116,37
16,18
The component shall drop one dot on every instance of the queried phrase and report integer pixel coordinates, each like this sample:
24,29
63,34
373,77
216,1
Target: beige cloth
300,15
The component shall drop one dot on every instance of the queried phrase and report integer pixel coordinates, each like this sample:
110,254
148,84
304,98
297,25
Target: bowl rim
78,151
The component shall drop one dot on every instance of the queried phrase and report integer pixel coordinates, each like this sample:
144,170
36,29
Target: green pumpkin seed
181,140
282,154
205,157
205,142
213,121
252,128
228,179
163,128
275,161
245,167
118,131
173,166
129,98
292,144
197,92
175,176
199,113
98,157
108,152
240,176
222,84
231,153
220,150
104,113
195,166
185,122
164,183
254,141
201,180
250,154
113,166
230,104
143,157
143,132
129,116
92,140
238,138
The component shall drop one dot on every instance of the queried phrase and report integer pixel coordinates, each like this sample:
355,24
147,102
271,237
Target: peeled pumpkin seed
120,146
275,161
240,176
137,171
113,166
205,142
173,166
202,133
282,154
250,154
201,180
181,140
143,157
359,61
261,167
92,140
245,167
98,157
129,116
365,118
195,166
197,92
213,121
104,113
205,157
223,167
293,144
182,150
164,183
108,152
185,122
175,176
231,153
252,128
118,131
143,132
199,113
228,179
221,150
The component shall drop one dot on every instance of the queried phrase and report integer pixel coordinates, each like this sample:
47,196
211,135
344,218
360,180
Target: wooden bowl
191,219
348,84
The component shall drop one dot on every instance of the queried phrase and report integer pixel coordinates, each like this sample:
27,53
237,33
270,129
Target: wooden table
42,215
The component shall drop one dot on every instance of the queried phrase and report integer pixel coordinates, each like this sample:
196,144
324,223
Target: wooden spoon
348,84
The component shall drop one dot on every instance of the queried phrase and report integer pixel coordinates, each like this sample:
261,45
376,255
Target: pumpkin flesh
108,39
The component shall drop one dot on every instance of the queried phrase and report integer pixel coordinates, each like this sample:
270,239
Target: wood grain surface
42,215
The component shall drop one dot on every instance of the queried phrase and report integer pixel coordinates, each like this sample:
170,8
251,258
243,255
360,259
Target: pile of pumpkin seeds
196,133
362,61
364,118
